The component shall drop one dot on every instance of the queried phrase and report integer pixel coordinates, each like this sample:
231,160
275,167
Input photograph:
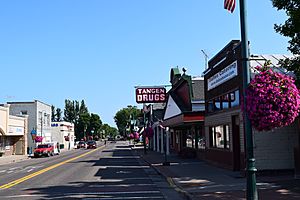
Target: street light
251,170
45,114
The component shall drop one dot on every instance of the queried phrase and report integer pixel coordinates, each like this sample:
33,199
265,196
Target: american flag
229,5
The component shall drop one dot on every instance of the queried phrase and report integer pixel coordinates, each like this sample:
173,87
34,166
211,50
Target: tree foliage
53,113
108,131
84,122
291,29
123,117
58,115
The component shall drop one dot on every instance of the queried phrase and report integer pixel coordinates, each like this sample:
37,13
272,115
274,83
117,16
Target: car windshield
42,146
91,142
81,142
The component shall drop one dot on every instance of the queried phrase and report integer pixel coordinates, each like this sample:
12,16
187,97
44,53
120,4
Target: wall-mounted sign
150,95
222,76
16,131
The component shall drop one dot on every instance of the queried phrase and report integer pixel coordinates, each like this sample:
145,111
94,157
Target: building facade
184,112
63,133
13,133
39,120
224,124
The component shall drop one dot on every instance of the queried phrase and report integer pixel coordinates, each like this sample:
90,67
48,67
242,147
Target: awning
184,119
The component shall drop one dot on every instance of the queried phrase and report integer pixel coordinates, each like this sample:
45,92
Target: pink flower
272,99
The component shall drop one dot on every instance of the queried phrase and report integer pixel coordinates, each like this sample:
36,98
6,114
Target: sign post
149,95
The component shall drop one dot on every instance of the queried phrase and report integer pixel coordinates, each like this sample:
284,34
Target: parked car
44,150
91,144
81,144
56,149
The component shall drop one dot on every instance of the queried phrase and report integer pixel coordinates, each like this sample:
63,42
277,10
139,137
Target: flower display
131,136
136,135
272,100
38,139
149,132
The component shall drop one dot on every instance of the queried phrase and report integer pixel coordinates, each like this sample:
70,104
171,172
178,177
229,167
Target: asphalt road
108,172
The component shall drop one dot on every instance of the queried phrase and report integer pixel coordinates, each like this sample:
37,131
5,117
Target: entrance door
19,145
236,142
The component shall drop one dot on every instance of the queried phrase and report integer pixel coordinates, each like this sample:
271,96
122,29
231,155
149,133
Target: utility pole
206,58
251,170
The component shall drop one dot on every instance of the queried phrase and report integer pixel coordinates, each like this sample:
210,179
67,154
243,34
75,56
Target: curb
168,179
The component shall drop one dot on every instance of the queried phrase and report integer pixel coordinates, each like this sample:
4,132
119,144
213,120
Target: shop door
19,145
236,142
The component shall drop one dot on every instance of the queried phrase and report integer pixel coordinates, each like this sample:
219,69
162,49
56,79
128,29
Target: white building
39,119
63,133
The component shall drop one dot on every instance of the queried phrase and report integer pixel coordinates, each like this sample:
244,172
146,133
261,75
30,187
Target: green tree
108,131
291,29
123,117
82,125
69,111
95,124
52,113
58,115
76,110
83,108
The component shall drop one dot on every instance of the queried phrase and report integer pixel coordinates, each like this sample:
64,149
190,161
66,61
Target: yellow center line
20,180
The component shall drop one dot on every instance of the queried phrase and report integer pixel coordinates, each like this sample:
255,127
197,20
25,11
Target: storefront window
225,101
219,136
235,98
226,128
217,104
210,107
2,143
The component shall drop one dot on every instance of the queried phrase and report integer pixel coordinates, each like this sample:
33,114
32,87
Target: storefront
13,129
225,138
184,112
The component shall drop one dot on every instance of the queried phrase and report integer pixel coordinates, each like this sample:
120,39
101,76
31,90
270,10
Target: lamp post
251,178
45,114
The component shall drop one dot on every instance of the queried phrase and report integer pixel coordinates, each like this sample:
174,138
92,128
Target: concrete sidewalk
12,159
199,180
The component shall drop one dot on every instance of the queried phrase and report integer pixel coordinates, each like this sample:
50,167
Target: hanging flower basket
272,100
149,132
38,139
131,136
136,135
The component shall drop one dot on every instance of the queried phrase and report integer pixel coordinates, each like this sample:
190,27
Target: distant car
81,144
111,140
43,150
91,144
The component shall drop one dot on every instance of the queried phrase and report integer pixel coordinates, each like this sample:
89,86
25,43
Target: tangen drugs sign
150,95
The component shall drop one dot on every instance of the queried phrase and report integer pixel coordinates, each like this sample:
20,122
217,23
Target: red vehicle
44,150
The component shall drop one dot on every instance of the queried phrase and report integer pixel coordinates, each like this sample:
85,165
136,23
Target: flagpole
251,170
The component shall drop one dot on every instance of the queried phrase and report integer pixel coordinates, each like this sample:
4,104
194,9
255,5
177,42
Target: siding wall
275,149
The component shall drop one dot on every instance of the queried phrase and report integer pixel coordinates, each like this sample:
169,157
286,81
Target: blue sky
98,50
